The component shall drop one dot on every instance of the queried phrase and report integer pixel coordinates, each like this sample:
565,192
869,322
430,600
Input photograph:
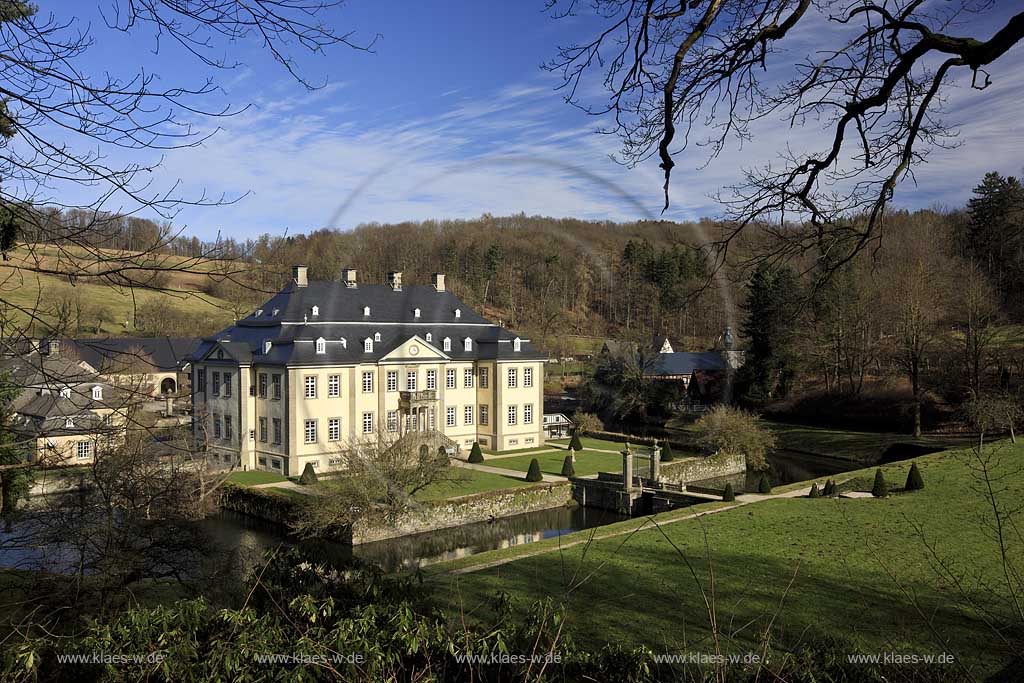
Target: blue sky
451,117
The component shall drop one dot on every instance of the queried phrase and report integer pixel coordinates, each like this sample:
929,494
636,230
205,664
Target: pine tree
567,468
534,473
475,454
666,453
770,358
764,486
914,480
728,494
574,442
880,489
815,493
308,475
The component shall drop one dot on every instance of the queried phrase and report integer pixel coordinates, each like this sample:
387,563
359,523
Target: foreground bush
914,480
534,472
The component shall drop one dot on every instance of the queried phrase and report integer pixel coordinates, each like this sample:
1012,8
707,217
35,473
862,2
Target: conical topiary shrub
728,494
567,469
534,473
914,480
308,475
763,486
827,491
475,454
666,453
880,489
815,493
574,443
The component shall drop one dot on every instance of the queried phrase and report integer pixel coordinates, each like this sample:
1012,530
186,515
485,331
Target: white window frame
527,377
333,386
513,378
449,378
309,384
368,422
447,344
368,345
449,417
467,344
309,431
334,429
97,393
321,345
429,337
368,382
467,378
517,344
431,379
392,421
392,380
411,380
485,375
512,415
376,336
484,414
467,414
85,446
527,413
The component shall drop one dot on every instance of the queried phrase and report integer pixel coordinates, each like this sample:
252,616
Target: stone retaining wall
685,470
479,507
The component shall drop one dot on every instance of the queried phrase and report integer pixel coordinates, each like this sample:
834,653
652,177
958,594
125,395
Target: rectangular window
513,377
511,415
367,423
527,377
263,429
216,426
276,382
410,380
275,463
484,377
367,382
84,449
227,385
227,428
431,380
528,414
310,431
467,378
262,383
450,416
277,430
483,414
450,379
467,415
392,380
310,383
333,386
216,384
392,420
201,380
334,429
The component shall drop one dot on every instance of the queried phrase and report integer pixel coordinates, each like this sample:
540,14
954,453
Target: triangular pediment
414,349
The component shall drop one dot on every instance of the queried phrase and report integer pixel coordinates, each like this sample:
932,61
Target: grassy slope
639,590
852,445
587,462
33,291
252,477
472,481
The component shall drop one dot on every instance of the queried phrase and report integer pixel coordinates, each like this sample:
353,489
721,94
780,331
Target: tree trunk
915,382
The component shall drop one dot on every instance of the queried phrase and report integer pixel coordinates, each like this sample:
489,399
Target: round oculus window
414,350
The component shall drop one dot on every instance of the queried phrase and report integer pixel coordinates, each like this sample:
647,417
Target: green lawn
469,482
532,449
587,462
638,590
851,445
598,444
255,477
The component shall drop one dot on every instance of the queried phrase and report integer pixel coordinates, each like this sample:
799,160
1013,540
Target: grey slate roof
114,354
684,363
293,330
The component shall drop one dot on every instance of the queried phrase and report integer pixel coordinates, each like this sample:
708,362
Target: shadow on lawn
636,599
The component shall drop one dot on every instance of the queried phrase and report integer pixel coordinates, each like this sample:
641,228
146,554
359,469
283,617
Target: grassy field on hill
105,308
797,566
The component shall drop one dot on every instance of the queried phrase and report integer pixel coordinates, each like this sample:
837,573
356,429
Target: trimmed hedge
308,475
534,473
914,480
567,467
728,494
764,486
880,489
815,493
475,454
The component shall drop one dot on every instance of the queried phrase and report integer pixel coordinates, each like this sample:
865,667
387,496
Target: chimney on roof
348,276
438,281
395,280
299,276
